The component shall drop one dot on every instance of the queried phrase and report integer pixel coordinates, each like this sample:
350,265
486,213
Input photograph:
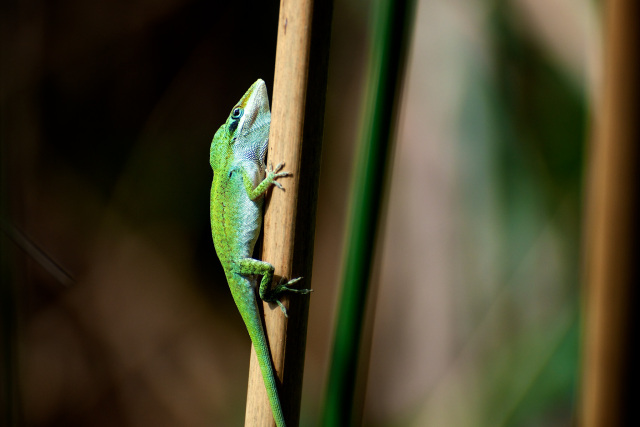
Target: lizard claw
271,170
283,308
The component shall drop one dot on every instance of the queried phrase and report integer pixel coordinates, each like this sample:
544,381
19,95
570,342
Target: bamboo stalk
611,246
297,119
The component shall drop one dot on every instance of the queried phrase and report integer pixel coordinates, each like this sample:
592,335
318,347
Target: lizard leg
264,269
270,179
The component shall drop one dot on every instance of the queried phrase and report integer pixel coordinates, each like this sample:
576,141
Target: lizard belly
249,215
236,225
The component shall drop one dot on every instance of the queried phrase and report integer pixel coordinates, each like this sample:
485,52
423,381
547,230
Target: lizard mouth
255,103
253,127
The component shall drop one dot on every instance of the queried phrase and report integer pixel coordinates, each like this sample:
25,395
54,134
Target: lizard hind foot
282,287
285,287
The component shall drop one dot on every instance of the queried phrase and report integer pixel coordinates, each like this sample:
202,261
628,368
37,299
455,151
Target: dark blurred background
107,113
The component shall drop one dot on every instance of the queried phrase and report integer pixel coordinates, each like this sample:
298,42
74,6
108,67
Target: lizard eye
237,113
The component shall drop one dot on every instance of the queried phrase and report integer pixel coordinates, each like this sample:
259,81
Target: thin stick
297,119
612,215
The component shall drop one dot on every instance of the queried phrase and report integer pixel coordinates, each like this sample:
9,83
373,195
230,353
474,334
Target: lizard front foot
273,174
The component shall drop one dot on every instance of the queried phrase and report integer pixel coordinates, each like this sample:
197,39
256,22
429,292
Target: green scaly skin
240,180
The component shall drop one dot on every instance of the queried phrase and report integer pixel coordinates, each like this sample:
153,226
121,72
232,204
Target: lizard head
246,131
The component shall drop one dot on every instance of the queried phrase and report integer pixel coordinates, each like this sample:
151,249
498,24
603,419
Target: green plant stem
391,30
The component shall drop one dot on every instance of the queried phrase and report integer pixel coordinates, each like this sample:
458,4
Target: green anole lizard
240,180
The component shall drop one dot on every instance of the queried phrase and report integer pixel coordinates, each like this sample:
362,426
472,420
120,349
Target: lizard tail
256,332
